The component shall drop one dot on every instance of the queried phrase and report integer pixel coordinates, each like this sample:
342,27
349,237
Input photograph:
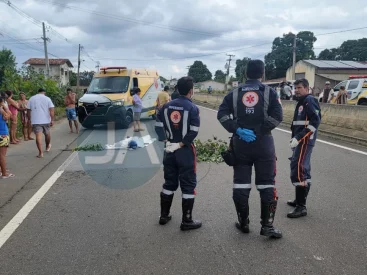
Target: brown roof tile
52,61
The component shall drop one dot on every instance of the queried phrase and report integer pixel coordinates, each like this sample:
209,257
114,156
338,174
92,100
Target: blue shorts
71,113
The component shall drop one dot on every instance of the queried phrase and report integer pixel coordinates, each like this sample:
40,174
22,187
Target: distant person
328,92
27,126
163,97
70,100
4,136
13,108
138,107
41,114
175,93
342,96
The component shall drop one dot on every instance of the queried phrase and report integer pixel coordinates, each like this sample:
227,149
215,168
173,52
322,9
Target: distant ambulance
109,96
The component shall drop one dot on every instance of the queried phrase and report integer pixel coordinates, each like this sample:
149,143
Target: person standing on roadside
13,108
40,110
27,126
4,136
69,101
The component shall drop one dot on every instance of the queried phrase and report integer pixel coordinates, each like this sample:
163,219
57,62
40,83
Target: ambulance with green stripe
109,96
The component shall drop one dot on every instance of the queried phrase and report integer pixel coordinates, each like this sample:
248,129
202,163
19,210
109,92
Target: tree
240,69
86,78
73,78
164,80
220,76
281,57
199,72
350,50
7,61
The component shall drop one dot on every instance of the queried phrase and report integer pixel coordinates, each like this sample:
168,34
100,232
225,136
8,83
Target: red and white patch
250,99
175,117
300,109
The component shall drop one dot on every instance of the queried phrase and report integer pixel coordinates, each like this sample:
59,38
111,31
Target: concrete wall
57,72
338,121
216,86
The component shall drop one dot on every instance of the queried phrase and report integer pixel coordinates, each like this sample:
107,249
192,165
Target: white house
60,69
216,86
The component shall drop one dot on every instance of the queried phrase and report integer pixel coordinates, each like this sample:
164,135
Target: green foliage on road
210,150
280,58
199,72
89,147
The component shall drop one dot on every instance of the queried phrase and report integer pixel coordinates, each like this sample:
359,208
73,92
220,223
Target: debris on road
124,144
210,150
89,147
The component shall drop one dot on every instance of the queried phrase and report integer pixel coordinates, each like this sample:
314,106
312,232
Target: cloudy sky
170,35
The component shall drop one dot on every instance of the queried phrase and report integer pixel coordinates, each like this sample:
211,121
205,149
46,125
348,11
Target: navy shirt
255,110
306,120
178,121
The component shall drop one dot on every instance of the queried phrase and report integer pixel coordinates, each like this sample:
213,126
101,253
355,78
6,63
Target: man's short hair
137,90
166,88
255,69
69,90
41,90
185,84
303,82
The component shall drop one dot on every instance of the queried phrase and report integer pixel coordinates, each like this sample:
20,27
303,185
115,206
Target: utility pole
228,67
45,39
188,69
78,74
97,66
294,57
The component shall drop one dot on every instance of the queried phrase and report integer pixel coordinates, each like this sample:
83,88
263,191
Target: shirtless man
70,100
27,126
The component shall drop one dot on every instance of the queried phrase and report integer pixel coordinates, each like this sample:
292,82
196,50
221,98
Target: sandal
8,176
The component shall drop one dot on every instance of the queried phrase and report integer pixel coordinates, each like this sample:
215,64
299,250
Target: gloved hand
293,143
246,135
171,147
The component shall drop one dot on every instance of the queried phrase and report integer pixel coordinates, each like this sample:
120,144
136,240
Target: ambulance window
353,84
135,82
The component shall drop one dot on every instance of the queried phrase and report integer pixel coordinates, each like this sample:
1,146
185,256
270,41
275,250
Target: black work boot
294,202
268,210
187,222
242,214
166,202
301,195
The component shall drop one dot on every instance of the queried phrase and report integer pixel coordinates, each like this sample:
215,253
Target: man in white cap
328,93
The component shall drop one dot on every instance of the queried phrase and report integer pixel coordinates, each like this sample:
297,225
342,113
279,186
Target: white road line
318,140
17,220
152,153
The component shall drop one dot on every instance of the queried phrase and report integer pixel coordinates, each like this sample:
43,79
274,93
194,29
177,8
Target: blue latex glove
246,135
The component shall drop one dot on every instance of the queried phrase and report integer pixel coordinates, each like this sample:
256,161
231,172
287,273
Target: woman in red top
13,108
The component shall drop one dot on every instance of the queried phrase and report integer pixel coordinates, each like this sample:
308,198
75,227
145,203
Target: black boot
187,222
301,195
294,202
166,202
242,214
267,218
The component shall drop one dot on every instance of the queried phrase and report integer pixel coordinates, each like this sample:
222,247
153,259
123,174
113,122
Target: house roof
331,64
52,61
336,77
276,80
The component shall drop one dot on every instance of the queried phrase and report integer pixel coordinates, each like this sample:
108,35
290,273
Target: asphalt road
101,217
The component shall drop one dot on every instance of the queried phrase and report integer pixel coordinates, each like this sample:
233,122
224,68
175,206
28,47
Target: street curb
328,134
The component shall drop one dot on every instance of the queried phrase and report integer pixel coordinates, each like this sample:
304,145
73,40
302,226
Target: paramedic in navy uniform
256,111
178,124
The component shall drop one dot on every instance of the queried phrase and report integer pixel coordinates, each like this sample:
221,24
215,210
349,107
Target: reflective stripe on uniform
266,107
313,129
260,187
159,124
184,123
224,119
167,123
188,196
235,97
167,192
194,128
301,122
241,186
